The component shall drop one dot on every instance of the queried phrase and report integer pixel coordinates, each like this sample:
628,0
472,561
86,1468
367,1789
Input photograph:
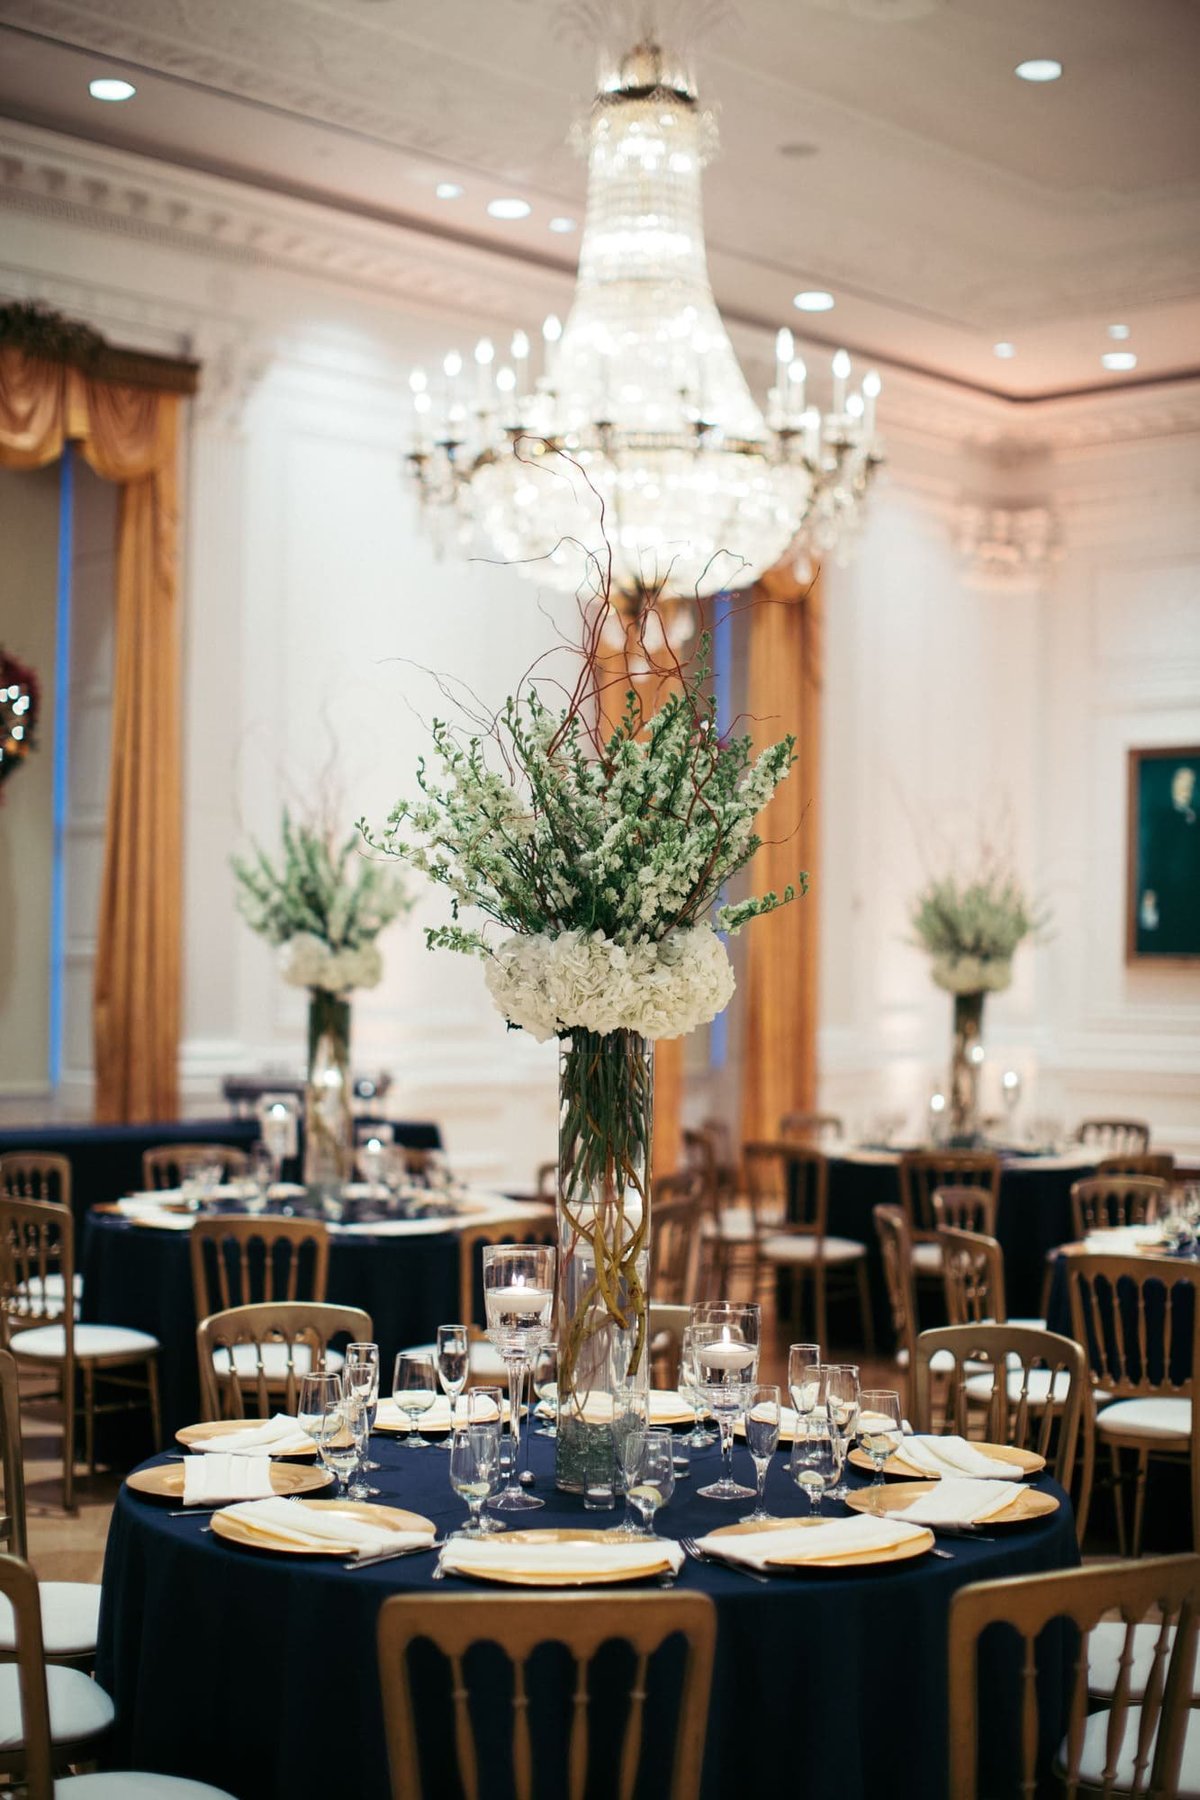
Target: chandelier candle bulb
785,350
797,376
871,387
841,375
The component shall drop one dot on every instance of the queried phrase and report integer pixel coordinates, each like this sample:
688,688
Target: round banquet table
257,1671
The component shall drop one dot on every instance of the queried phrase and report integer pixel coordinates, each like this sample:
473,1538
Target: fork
691,1548
364,1562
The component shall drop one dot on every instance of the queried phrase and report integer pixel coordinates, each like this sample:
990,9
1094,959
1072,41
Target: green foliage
332,892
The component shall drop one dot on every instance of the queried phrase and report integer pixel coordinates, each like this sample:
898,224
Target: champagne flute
356,1414
631,1421
820,1466
414,1389
474,1450
485,1406
762,1438
802,1385
362,1372
653,1481
841,1402
453,1365
879,1427
545,1386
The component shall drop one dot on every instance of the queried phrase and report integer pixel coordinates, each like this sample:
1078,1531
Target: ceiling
881,149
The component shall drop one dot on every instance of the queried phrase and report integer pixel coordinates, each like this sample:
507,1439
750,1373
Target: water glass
362,1378
453,1365
414,1389
692,1389
485,1407
474,1453
763,1417
817,1458
545,1386
631,1421
880,1431
322,1414
841,1404
653,1482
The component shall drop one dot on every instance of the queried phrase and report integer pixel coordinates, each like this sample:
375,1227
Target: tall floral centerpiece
323,904
599,854
971,926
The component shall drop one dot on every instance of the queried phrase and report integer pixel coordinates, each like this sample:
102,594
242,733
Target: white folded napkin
477,1556
135,1204
166,1221
207,1480
398,1228
812,1543
941,1456
1122,1240
959,1500
282,1521
279,1436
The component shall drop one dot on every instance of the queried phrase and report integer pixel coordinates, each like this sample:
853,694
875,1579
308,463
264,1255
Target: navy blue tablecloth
257,1672
136,1275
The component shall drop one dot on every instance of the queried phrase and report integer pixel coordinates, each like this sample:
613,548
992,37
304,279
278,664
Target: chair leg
864,1301
155,1402
89,1417
68,1399
1118,1499
1047,1284
1139,1500
1088,1475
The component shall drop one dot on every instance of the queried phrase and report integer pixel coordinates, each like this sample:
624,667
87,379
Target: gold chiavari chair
972,1277
1158,1165
810,1127
242,1261
1039,1404
965,1209
895,1249
726,1234
546,1184
667,1325
583,1625
675,1215
1114,1137
37,1266
1105,1201
38,1175
1139,1319
1127,1748
790,1183
262,1352
922,1173
163,1165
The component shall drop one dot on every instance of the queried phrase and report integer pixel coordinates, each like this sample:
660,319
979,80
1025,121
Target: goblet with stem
362,1380
474,1452
545,1386
726,1341
692,1389
653,1482
321,1413
819,1469
485,1406
803,1384
518,1295
631,1420
762,1438
453,1364
880,1431
841,1401
414,1389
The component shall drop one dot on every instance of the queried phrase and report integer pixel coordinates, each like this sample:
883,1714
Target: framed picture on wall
1163,908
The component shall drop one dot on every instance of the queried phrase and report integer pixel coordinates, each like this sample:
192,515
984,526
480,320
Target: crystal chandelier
634,426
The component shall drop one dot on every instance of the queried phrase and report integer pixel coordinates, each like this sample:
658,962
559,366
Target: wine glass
762,1438
802,1360
545,1385
879,1427
820,1466
322,1414
692,1389
357,1415
841,1403
362,1379
485,1406
414,1389
518,1294
653,1481
474,1452
453,1364
631,1420
726,1339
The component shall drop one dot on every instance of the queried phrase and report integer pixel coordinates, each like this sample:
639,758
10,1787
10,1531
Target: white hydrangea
550,982
307,961
972,974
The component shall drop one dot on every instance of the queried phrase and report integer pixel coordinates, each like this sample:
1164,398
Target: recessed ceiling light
1118,333
1119,360
813,300
1039,68
1004,351
110,87
562,225
509,209
448,190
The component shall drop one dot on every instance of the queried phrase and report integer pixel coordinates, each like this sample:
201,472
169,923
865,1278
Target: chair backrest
1036,1365
1114,1137
810,1127
1144,1761
247,1261
280,1343
667,1326
19,1586
530,1226
37,1266
35,1175
1103,1201
12,1520
972,1276
547,1182
1139,1321
163,1164
966,1208
676,1223
788,1188
922,1172
1158,1164
895,1248
582,1624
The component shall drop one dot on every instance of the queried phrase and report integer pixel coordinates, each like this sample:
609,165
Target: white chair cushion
484,1362
1153,1417
927,1258
135,1787
80,1710
942,1362
1105,1647
979,1387
275,1360
1093,1755
48,1342
70,1618
735,1227
804,1249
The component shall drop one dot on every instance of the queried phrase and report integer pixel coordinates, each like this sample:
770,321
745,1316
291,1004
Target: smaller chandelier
636,410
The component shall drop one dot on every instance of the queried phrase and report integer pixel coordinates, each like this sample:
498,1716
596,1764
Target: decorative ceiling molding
49,176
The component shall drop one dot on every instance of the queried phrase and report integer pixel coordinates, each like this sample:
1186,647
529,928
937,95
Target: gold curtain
779,1073
129,435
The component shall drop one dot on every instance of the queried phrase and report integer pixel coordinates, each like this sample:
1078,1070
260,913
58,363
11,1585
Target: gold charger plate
387,1518
393,1423
1026,1503
165,1480
857,1559
210,1429
1028,1461
656,1561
